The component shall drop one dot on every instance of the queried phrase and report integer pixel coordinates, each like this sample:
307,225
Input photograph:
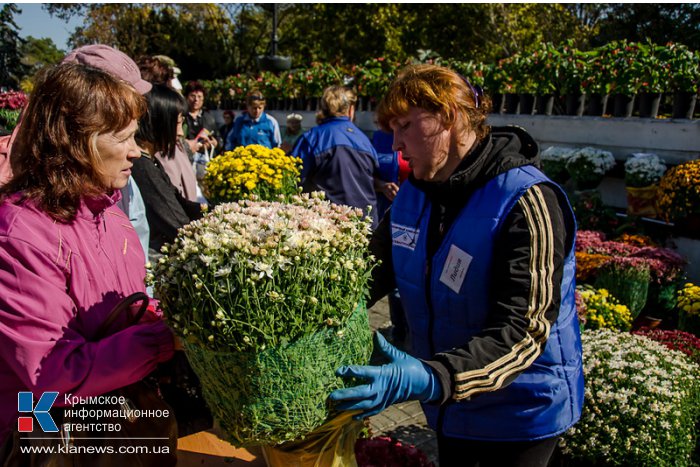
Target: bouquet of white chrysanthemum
268,299
554,162
643,169
588,165
641,404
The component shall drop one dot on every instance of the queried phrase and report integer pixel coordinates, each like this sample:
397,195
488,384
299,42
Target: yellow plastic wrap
330,445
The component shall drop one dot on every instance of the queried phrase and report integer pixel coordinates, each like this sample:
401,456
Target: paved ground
404,422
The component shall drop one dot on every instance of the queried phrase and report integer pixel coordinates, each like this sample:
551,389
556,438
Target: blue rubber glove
403,378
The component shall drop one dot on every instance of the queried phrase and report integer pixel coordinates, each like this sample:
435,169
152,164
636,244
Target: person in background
292,132
68,255
159,69
122,67
201,133
337,156
177,166
254,126
226,128
393,171
166,208
173,81
480,244
155,71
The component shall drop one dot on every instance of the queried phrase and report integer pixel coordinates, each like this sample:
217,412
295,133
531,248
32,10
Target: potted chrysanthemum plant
251,171
587,166
642,174
641,403
267,298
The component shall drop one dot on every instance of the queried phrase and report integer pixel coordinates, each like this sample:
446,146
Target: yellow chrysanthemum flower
252,170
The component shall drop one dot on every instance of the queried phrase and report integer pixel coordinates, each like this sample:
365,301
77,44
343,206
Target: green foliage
37,54
625,73
571,68
9,118
215,40
653,68
596,80
627,279
373,77
544,59
659,22
343,32
11,67
683,65
197,36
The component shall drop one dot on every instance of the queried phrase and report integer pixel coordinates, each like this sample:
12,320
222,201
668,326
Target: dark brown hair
54,158
155,71
194,86
438,90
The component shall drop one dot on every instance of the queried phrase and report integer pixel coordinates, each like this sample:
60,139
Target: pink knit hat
114,62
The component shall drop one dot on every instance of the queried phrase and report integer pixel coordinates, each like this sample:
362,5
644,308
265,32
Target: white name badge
456,267
404,236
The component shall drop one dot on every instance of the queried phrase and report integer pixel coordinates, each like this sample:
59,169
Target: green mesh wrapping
280,394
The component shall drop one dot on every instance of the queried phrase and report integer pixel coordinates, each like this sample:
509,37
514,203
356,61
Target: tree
196,36
344,33
659,22
38,53
11,67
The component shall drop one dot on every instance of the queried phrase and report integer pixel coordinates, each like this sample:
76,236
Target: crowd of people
475,242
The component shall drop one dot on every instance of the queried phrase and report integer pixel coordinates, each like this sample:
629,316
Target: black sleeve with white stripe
524,300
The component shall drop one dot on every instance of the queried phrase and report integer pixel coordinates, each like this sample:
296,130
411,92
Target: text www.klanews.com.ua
85,434
72,449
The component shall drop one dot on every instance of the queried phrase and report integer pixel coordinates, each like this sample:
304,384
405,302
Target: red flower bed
12,100
682,341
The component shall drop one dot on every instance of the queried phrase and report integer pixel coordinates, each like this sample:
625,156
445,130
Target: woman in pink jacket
68,255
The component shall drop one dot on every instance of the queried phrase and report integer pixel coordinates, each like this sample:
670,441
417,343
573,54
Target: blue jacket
339,160
449,305
245,131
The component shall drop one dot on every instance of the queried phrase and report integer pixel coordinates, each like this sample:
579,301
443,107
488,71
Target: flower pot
661,303
274,63
596,104
646,321
689,323
649,104
497,103
575,104
641,201
512,104
586,183
623,105
556,171
527,104
684,104
312,104
544,104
